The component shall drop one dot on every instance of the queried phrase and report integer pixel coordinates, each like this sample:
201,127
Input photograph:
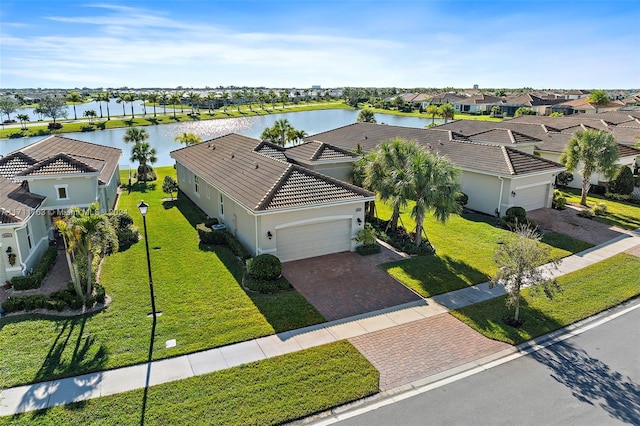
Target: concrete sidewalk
74,389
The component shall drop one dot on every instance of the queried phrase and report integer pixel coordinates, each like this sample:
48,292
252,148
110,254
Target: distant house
582,106
275,200
495,176
43,180
479,104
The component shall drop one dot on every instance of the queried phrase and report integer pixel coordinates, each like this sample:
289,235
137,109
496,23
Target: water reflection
162,136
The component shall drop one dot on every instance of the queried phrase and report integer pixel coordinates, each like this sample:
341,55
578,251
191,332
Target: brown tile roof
628,151
560,123
272,151
16,202
493,159
57,144
318,151
480,99
502,136
13,164
59,164
257,181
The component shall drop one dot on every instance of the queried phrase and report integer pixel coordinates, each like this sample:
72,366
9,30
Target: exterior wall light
513,193
269,234
359,221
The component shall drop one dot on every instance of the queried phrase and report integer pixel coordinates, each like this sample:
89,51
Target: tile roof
13,164
271,150
56,144
318,151
488,158
502,136
259,182
16,202
60,164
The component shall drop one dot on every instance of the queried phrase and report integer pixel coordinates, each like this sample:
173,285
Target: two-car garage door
315,239
533,197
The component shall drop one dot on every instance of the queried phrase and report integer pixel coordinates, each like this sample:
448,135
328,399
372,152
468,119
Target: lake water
161,137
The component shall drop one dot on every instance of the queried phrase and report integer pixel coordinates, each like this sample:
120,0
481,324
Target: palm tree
237,97
145,155
194,100
262,98
180,96
107,99
434,186
284,97
87,233
135,135
24,119
99,97
174,100
596,151
387,173
225,99
188,138
122,100
74,97
366,116
90,114
211,101
163,97
131,98
598,98
153,98
433,111
446,111
143,97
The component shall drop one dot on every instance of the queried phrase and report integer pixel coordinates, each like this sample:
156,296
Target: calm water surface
162,136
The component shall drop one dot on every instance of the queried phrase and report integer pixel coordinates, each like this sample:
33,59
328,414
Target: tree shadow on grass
432,275
190,211
592,381
85,356
143,187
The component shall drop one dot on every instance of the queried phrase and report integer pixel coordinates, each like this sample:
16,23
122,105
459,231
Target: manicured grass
584,293
424,115
619,213
267,392
464,251
197,290
118,121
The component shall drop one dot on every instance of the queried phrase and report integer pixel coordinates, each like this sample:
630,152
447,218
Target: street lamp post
143,211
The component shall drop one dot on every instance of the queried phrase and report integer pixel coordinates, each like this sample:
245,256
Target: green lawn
424,115
622,214
197,290
464,251
584,293
267,392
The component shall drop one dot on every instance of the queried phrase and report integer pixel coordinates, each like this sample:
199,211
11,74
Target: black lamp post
143,211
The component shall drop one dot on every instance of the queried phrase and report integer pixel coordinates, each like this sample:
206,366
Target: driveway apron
343,285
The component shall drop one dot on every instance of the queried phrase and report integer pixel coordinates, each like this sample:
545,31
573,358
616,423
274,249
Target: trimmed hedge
265,267
222,238
57,301
34,280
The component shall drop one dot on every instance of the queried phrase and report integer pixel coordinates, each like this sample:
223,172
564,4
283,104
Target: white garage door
534,197
317,239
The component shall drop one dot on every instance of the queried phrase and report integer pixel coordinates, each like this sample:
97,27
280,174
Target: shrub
366,235
368,249
211,221
598,189
617,197
564,178
87,128
55,126
266,286
599,209
587,213
559,200
101,125
34,280
25,303
401,239
516,212
517,216
462,199
265,267
222,238
622,182
27,282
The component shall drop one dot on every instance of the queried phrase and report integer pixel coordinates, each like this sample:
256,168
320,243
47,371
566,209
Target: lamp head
144,207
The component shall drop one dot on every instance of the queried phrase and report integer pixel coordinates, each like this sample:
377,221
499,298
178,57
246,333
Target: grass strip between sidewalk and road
584,293
266,392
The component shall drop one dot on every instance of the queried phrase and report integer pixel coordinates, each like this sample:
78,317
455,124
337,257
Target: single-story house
480,104
41,181
494,176
271,204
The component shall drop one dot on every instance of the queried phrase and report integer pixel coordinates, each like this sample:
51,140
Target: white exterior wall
109,192
15,236
81,191
518,184
340,171
596,178
483,191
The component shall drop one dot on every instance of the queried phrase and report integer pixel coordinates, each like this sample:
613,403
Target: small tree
524,111
54,107
169,186
90,114
8,105
598,98
187,138
24,119
518,261
623,182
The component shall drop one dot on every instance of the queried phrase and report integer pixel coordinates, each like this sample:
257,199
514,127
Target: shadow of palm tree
143,187
592,381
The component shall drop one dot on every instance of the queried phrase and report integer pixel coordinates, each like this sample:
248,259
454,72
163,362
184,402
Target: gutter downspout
257,238
500,197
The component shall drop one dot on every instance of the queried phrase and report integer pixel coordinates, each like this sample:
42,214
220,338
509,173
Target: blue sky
167,43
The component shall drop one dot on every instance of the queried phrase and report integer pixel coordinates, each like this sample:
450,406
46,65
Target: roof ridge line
507,158
274,188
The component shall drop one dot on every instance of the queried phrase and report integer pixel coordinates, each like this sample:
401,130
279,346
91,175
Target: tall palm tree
194,100
131,98
225,99
262,98
211,101
135,135
74,98
163,97
434,186
174,100
99,97
143,97
284,97
107,99
181,95
153,98
237,98
446,111
122,100
596,151
433,111
145,155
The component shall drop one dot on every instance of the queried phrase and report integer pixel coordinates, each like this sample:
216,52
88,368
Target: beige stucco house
42,180
270,203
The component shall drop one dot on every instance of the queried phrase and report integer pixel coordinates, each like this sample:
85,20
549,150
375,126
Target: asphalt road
589,379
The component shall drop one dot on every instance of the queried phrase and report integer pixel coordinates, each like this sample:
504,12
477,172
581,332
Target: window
221,206
62,192
196,185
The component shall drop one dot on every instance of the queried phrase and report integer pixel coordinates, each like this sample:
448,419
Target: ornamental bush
265,267
623,182
462,199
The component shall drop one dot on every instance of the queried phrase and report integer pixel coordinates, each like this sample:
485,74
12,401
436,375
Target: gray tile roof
271,150
318,151
488,158
16,202
57,144
502,136
259,182
61,164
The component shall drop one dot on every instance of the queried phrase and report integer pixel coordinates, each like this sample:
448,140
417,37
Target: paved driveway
345,284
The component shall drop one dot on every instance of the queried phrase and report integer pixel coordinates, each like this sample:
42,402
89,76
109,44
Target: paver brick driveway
345,284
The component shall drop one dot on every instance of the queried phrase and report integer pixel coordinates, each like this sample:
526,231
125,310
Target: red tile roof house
272,199
44,179
495,175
